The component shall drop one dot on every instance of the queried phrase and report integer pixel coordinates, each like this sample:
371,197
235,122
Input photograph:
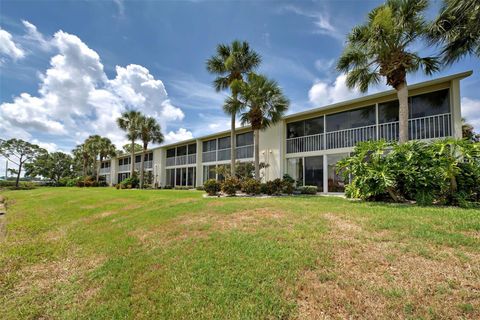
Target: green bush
263,188
168,187
308,189
130,182
212,187
230,186
251,186
442,172
273,187
288,186
288,178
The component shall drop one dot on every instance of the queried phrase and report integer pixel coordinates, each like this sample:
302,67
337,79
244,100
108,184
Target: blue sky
68,68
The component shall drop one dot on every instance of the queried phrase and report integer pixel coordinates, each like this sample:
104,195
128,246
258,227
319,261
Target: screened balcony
182,155
220,149
430,118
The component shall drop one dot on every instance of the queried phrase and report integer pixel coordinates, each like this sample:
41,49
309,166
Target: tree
127,148
129,122
106,149
93,145
54,166
82,156
457,29
19,152
149,132
381,48
264,104
231,63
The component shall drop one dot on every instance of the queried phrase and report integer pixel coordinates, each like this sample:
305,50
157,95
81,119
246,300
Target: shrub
130,182
168,187
263,188
288,178
251,186
308,189
200,188
287,186
230,186
273,187
71,182
212,187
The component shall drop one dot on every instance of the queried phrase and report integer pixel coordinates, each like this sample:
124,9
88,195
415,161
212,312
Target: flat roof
449,78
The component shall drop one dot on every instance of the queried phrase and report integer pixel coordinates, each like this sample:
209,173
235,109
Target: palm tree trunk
402,93
257,154
132,159
142,168
232,148
98,169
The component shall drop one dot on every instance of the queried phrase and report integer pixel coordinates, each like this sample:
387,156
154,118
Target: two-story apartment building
308,144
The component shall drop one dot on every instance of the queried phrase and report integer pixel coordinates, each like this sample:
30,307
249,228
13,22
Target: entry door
314,172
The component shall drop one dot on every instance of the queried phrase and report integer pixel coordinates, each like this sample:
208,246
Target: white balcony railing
124,167
431,127
182,160
192,158
350,137
147,165
209,156
306,143
170,162
105,170
223,154
245,152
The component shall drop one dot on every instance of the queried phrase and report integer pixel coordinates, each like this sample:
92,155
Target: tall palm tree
457,29
264,104
82,155
130,123
93,145
231,63
149,132
381,48
106,149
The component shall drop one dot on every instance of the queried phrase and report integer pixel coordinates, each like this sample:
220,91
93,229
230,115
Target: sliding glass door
314,172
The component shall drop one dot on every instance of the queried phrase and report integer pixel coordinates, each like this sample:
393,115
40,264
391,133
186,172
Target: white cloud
49,146
179,135
471,111
8,47
75,96
325,65
321,21
35,36
324,93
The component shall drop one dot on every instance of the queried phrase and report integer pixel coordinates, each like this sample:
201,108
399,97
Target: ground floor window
335,181
314,172
123,176
209,172
181,177
295,170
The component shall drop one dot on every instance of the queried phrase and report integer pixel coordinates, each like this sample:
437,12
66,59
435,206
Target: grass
106,253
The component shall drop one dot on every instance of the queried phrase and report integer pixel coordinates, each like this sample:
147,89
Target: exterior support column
456,109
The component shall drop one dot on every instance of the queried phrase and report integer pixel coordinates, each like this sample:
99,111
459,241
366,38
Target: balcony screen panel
138,158
351,119
192,148
245,139
171,153
388,111
295,129
429,104
210,145
224,143
314,126
181,151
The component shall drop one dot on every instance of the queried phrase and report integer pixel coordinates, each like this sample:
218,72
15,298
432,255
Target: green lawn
106,253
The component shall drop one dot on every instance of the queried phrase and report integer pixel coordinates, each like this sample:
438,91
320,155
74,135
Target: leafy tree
468,132
232,63
83,158
93,145
106,150
19,152
264,104
457,28
54,166
382,48
149,132
130,123
127,148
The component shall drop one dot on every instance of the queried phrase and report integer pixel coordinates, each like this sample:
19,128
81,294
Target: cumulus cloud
324,93
8,47
471,111
179,135
75,96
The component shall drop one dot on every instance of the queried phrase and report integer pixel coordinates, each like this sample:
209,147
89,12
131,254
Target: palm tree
93,146
82,155
457,28
380,48
129,122
264,104
106,149
149,132
231,63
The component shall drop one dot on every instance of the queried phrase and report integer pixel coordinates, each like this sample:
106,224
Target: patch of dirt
46,275
376,279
